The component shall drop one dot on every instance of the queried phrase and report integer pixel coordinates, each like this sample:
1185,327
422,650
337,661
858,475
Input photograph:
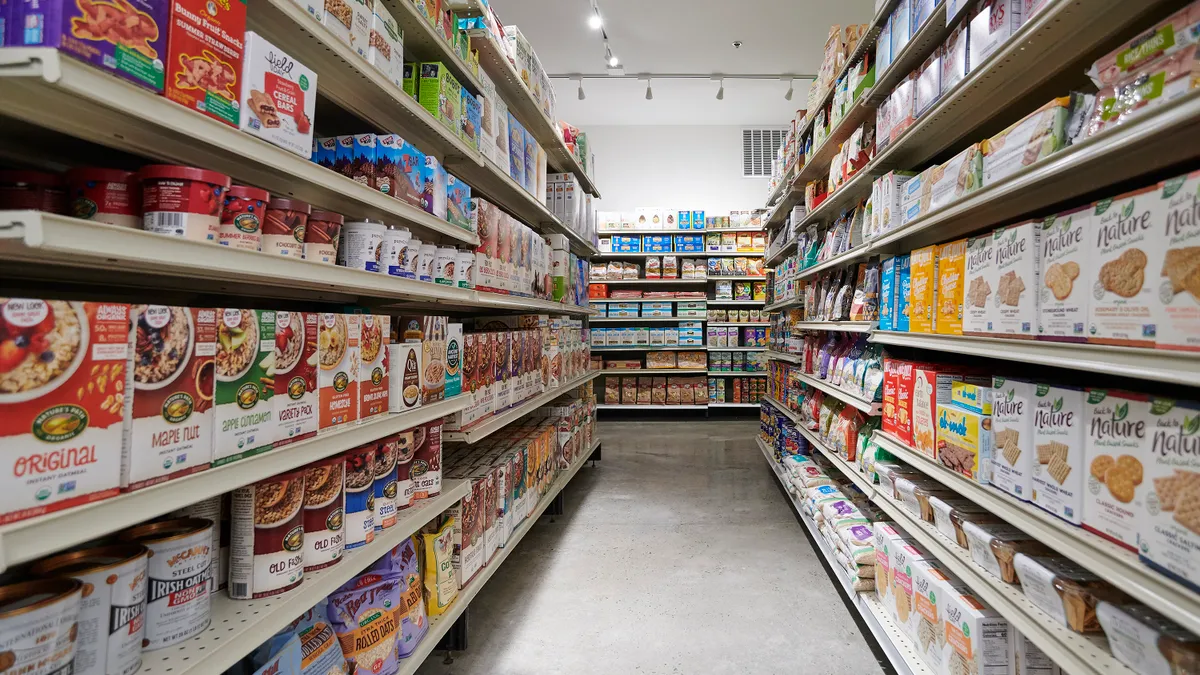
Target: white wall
673,167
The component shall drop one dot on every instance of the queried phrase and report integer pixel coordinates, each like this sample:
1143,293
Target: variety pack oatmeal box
245,368
297,399
374,337
168,418
204,56
1058,445
1177,217
337,359
1063,307
62,390
1116,446
1169,523
1012,436
980,273
1125,249
1016,250
922,294
278,96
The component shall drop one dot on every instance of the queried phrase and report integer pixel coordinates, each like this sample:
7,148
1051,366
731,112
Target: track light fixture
582,95
609,57
791,88
649,91
721,89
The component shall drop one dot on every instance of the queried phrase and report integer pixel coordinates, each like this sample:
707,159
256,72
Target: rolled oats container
413,259
428,255
362,243
266,547
322,235
32,190
112,608
284,227
242,218
464,270
182,201
385,483
178,603
360,496
444,263
395,250
105,196
215,509
324,513
38,625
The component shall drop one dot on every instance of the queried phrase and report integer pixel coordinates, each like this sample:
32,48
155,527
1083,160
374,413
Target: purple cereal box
125,37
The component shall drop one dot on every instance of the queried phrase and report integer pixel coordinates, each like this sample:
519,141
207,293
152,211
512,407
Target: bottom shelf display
645,391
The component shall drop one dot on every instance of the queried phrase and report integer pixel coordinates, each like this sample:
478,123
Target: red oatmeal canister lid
289,205
38,178
328,216
170,171
247,192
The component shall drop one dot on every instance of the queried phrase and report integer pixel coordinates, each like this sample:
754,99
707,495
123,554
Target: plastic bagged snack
1150,86
1065,590
670,267
612,390
653,268
362,615
441,583
629,391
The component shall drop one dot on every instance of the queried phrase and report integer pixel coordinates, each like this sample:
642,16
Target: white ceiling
682,36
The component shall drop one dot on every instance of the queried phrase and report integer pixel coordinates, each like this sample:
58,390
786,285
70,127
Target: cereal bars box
1125,249
951,273
63,381
245,365
1017,249
1169,524
922,295
1116,447
1178,282
125,37
980,280
1012,436
1063,309
204,57
168,420
1058,443
279,96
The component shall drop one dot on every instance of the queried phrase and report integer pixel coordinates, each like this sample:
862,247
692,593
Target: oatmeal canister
168,420
284,227
444,264
360,496
181,201
266,554
32,190
413,261
464,270
215,509
242,218
38,625
113,605
321,237
427,256
178,603
296,398
395,250
362,245
62,401
105,196
406,447
324,513
385,483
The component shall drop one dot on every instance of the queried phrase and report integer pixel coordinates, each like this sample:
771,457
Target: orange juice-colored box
922,293
951,270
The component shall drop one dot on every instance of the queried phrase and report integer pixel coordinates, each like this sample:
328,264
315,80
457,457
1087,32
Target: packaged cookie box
62,403
964,441
1178,320
1012,436
203,57
1065,590
1064,271
904,555
1058,475
278,96
1169,535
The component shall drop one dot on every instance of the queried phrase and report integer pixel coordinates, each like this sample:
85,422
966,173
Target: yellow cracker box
922,292
964,441
951,270
972,397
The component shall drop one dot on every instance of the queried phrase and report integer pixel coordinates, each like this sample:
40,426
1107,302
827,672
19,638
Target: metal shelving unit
650,282
645,319
843,326
633,406
869,407
778,405
759,324
652,371
721,404
422,41
701,254
732,302
646,348
486,427
780,356
734,373
737,349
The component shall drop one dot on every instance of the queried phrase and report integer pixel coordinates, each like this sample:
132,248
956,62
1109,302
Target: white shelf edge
731,373
648,319
737,349
721,404
750,324
869,407
678,254
773,355
634,406
488,426
652,371
789,413
845,326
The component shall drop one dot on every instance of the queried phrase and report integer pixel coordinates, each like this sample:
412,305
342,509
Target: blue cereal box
516,150
656,243
627,244
697,220
684,220
903,286
689,243
531,163
472,119
887,293
325,151
434,175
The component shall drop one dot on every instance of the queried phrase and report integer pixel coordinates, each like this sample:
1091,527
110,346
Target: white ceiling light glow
594,21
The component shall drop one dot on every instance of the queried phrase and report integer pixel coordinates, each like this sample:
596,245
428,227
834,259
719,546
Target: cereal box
409,162
245,365
980,271
903,290
128,39
922,295
1179,282
1012,436
1116,448
887,294
1169,523
1016,249
1063,308
386,45
297,399
350,21
439,92
375,331
431,332
1058,446
931,388
454,360
278,96
61,402
904,400
168,417
337,356
204,57
471,122
1125,249
951,275
976,635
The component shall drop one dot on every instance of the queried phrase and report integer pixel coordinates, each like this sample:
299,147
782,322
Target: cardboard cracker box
1125,244
980,285
1017,250
1169,527
1065,269
1116,448
1058,475
1178,283
951,275
922,296
1013,453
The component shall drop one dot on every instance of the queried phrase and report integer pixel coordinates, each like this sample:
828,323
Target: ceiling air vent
758,151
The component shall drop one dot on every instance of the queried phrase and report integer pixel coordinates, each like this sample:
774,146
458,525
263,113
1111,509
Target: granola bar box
296,396
62,387
204,56
337,374
169,412
278,96
245,369
1169,525
127,38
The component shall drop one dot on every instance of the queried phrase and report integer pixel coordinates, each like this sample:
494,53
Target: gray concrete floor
677,554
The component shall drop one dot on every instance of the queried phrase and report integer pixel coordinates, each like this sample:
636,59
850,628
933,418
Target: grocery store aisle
678,554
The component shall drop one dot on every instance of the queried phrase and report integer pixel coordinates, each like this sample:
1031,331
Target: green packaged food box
439,92
245,372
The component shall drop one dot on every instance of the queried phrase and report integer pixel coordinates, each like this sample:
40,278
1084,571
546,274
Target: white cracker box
1177,217
980,285
1064,288
1013,454
1058,468
1124,245
977,636
1017,249
903,559
1169,527
1116,449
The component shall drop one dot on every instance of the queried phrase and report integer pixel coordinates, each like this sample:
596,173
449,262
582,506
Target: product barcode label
241,590
165,222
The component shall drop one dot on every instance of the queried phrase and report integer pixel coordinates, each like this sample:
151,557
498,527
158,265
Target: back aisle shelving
1047,56
57,112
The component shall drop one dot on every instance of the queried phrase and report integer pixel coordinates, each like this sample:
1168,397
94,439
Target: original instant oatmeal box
61,403
1125,249
204,56
245,368
1066,243
1169,524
